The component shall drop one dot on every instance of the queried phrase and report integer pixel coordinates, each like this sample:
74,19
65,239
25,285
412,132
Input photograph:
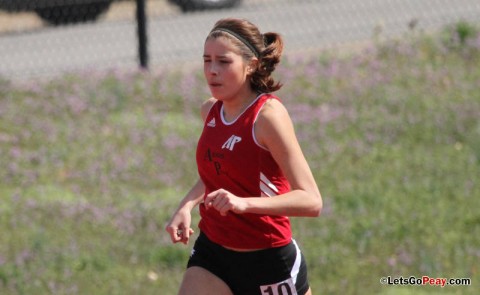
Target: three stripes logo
267,188
211,123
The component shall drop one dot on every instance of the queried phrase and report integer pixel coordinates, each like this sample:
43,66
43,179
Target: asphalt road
177,38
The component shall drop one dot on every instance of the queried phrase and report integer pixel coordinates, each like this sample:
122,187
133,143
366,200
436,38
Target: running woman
253,175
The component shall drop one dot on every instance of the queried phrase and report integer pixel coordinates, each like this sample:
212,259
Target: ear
252,66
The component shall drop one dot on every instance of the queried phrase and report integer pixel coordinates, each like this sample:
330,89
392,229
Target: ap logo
230,143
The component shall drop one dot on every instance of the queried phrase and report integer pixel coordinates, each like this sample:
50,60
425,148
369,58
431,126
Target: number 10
278,289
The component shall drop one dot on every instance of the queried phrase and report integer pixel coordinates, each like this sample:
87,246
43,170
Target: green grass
93,166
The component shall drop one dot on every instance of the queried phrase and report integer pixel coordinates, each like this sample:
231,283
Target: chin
218,95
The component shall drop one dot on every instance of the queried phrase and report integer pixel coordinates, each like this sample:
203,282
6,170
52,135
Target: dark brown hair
251,43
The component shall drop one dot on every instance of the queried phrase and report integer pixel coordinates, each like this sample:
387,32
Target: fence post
142,34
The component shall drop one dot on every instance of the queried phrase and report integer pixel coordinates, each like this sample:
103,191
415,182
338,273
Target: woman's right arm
179,225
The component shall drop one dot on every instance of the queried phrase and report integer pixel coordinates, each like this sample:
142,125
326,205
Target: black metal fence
41,38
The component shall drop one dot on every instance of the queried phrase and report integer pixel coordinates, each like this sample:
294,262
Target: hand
224,201
179,227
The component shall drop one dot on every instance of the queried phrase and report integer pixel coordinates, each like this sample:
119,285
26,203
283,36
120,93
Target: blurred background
44,38
95,154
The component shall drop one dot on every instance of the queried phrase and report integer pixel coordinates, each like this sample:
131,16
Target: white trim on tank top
224,121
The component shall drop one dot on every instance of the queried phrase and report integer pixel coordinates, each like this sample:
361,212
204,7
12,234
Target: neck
234,107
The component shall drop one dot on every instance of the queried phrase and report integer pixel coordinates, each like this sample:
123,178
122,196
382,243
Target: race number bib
286,287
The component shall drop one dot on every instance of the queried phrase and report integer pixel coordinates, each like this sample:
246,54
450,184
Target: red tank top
229,157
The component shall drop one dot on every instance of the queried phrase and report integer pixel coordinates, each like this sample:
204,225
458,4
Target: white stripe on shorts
296,266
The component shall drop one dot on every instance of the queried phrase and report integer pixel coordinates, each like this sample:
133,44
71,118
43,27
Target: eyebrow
218,56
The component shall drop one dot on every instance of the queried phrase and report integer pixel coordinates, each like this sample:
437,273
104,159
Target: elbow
317,206
317,210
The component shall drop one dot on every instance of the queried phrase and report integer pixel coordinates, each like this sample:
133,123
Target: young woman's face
225,70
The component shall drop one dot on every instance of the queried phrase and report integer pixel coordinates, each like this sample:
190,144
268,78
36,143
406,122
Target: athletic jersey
229,157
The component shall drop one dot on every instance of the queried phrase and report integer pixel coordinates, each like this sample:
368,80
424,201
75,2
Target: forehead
219,46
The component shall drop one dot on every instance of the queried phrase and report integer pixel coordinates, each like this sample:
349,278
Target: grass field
93,164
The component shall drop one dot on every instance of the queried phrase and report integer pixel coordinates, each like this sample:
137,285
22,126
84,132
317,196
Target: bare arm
274,130
179,225
193,197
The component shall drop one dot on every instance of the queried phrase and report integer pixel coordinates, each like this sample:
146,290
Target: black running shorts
274,271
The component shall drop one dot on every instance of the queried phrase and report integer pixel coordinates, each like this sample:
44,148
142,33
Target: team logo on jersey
211,123
230,143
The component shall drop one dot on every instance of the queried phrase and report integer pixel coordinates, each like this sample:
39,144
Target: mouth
214,84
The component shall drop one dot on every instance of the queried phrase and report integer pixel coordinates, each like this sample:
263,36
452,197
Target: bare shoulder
206,106
273,124
273,111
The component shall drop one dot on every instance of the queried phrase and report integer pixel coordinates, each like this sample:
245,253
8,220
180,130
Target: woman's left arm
274,130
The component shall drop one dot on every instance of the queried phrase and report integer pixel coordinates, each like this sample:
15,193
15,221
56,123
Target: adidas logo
211,123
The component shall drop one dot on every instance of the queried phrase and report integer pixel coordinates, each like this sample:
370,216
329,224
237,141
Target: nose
213,68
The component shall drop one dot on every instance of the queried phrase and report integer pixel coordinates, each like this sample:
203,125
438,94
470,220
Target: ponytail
261,80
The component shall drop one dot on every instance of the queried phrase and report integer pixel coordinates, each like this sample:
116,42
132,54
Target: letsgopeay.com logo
425,281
